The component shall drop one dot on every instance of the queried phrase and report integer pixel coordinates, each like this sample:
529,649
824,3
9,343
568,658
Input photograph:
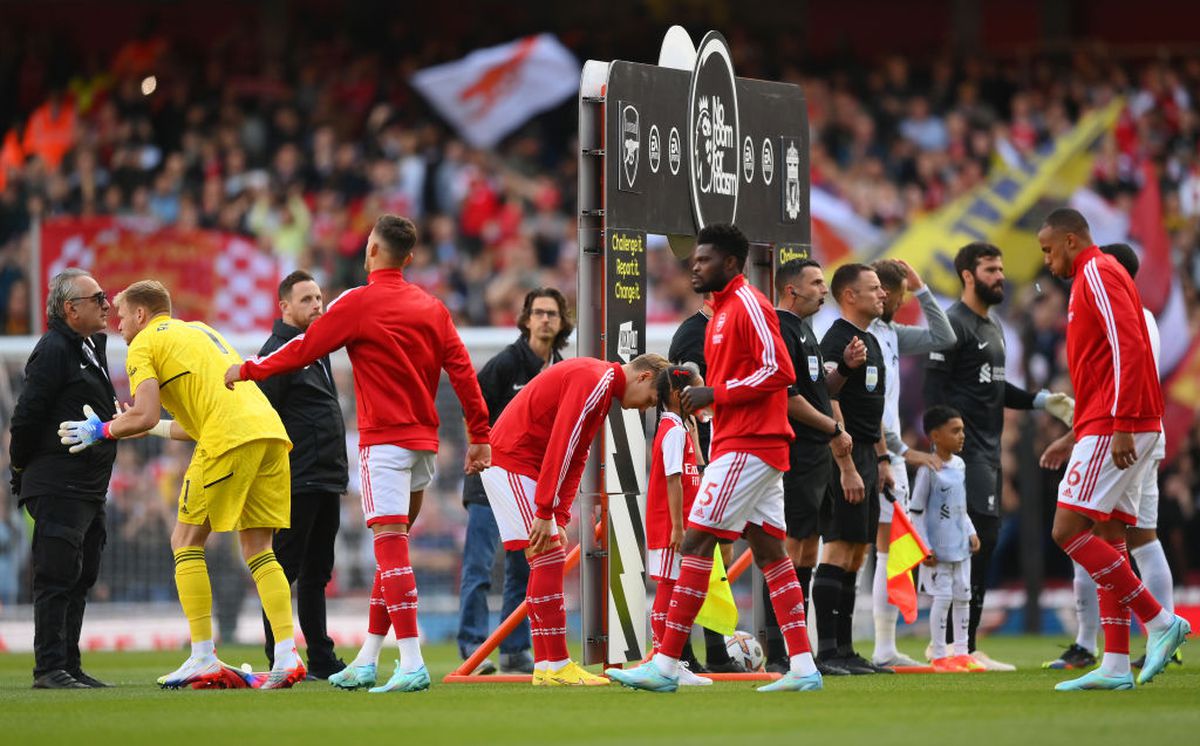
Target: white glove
1062,407
83,434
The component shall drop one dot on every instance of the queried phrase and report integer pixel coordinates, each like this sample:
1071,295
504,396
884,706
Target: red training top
545,432
399,339
1108,351
749,370
674,454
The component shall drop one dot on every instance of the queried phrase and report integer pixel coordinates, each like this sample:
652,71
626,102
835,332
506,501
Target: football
744,649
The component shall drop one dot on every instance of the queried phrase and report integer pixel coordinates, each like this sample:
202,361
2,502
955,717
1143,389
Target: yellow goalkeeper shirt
189,360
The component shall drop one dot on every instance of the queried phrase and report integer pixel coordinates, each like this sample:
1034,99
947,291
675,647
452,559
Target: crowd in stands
302,154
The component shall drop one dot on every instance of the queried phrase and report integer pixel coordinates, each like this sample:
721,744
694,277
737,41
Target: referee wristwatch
837,430
882,457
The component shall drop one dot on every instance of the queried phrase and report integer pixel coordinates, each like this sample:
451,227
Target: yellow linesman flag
905,551
719,612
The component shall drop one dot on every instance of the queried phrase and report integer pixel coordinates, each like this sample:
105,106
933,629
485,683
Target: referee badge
814,367
872,378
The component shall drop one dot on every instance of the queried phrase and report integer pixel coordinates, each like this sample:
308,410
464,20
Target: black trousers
306,553
68,538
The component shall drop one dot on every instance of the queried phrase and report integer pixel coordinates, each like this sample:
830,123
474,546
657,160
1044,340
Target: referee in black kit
970,378
66,374
307,402
850,514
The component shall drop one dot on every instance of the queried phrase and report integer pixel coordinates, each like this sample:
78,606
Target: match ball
247,668
746,650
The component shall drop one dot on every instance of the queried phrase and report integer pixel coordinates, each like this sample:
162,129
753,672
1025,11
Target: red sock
690,590
378,621
545,599
787,599
399,583
1114,618
658,614
1111,570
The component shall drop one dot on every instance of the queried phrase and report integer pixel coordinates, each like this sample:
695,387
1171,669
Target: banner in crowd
219,278
1007,209
492,91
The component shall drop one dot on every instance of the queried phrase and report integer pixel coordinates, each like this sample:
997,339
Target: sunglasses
101,298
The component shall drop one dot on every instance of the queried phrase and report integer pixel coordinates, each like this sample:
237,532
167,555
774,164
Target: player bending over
400,339
238,479
539,448
741,493
939,510
1118,422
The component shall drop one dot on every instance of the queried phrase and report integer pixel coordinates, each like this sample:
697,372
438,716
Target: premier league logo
713,136
631,133
655,147
768,160
674,152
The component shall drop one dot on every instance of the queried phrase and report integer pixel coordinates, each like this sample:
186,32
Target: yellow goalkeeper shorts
248,486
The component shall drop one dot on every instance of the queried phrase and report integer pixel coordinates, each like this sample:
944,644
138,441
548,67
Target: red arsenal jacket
546,430
399,339
1108,351
749,370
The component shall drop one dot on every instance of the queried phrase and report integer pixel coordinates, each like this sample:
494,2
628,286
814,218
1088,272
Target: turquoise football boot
354,677
794,682
646,677
1096,680
1161,646
413,681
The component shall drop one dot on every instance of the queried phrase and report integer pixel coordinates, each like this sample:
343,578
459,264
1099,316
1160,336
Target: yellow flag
1007,209
719,612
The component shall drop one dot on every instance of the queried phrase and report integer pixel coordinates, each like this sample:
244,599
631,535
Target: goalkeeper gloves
83,434
1058,405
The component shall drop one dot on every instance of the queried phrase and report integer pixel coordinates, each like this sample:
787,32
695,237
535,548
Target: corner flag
719,612
905,551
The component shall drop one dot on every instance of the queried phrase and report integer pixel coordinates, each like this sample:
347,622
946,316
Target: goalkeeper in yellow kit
238,479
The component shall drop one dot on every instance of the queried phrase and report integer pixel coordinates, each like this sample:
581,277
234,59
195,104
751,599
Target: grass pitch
978,709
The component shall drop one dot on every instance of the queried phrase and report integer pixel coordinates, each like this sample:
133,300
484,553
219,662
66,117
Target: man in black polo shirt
801,290
545,329
850,515
969,376
307,402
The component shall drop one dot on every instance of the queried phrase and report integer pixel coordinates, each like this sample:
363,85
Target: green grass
977,709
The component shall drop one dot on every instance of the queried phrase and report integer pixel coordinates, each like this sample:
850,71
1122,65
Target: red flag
1146,225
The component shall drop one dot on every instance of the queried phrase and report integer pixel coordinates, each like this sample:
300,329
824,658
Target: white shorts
738,489
900,491
1095,487
946,580
511,498
663,564
389,475
1147,515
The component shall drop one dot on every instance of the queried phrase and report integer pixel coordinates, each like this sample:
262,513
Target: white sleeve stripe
769,365
593,400
343,295
1092,273
672,449
300,336
281,348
